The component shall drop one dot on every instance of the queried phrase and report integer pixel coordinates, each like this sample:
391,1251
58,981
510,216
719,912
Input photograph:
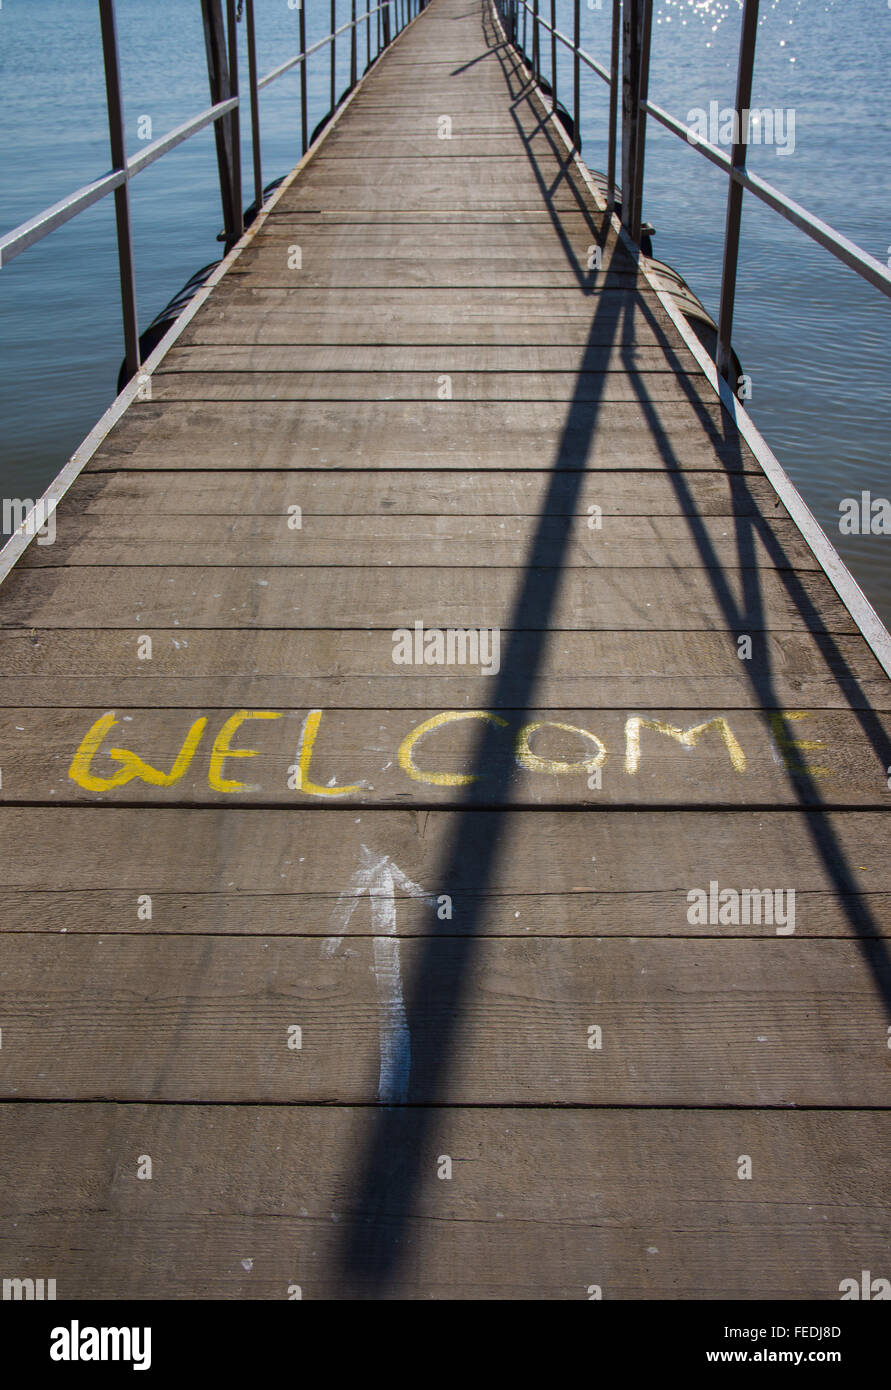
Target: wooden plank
527,246
403,118
541,1204
535,757
270,269
352,669
592,302
474,191
444,542
388,597
302,324
294,360
378,434
468,495
776,1022
474,180
249,318
442,261
528,243
427,196
259,873
283,215
403,110
414,143
582,388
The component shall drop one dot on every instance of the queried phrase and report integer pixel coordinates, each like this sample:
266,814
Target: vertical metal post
554,51
576,97
255,104
122,194
745,69
333,55
385,18
353,43
630,74
302,28
637,16
536,56
643,92
235,123
218,79
613,104
368,35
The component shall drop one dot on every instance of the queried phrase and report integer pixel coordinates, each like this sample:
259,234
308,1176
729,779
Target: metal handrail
20,238
12,243
840,246
298,58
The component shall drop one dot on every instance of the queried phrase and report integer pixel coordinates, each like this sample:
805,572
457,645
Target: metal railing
222,62
631,28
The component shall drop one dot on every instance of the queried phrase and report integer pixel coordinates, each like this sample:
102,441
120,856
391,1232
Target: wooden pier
329,975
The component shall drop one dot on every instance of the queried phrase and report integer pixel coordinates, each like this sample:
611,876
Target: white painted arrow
379,877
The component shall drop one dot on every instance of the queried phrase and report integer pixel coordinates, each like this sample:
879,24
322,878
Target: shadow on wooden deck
387,1171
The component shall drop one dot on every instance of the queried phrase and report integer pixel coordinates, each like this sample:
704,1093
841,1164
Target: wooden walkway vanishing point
396,973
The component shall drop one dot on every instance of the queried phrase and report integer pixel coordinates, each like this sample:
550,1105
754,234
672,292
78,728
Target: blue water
814,338
61,339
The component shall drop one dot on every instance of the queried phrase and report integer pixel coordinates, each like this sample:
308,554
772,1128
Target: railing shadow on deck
750,524
388,1169
747,615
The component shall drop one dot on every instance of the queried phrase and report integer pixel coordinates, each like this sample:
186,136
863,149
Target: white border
870,625
39,514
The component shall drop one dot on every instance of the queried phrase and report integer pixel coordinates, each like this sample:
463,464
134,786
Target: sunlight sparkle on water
712,13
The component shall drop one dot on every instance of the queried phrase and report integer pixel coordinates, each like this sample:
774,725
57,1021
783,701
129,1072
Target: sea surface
814,339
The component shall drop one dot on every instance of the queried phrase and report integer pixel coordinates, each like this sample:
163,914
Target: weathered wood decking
164,936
